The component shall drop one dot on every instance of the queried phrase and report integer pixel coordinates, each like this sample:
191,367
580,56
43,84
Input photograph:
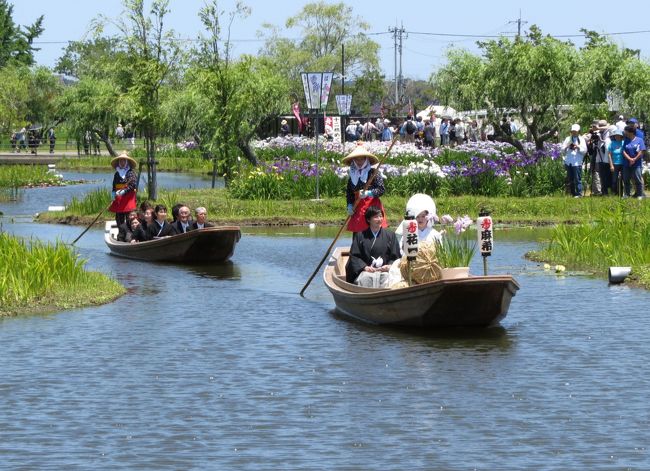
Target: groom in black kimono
372,252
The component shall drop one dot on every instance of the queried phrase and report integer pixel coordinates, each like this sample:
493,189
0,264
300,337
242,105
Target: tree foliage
92,58
322,29
91,105
535,77
151,54
231,98
17,42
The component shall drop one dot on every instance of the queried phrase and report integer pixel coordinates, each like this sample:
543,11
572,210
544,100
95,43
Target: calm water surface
227,367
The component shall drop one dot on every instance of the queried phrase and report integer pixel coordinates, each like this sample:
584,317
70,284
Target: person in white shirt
575,148
620,124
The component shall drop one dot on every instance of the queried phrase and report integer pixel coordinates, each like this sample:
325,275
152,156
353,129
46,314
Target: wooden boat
475,301
211,244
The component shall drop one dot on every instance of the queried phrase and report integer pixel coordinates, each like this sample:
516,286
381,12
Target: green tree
231,99
14,90
91,58
17,42
532,77
151,55
322,29
91,105
44,89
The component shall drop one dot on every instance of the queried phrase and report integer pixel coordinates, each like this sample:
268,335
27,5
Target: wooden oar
329,249
91,224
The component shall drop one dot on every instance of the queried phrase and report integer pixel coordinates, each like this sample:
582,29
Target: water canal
227,367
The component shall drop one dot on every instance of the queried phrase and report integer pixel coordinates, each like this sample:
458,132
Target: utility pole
398,34
342,69
519,22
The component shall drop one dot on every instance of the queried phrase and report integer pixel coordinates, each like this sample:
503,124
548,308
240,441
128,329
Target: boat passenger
125,184
160,227
372,252
201,216
424,209
175,209
139,234
183,223
125,231
361,170
147,219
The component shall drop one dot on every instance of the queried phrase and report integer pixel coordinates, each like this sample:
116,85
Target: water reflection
222,271
479,339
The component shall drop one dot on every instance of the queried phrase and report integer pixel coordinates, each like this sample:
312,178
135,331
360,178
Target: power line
422,33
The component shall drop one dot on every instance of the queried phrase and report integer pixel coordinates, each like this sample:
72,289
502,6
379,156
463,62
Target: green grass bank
44,278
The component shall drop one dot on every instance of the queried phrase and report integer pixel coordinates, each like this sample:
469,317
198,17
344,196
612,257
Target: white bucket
618,274
56,208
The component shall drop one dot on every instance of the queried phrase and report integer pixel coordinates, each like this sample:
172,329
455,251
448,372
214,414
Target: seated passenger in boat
159,227
175,210
201,216
372,252
145,219
182,223
424,209
125,231
139,235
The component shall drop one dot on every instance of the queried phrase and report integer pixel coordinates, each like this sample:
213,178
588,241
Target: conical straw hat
132,163
359,151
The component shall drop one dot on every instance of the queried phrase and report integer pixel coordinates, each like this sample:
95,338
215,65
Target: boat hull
475,301
208,245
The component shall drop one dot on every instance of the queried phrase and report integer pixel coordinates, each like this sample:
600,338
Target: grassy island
44,278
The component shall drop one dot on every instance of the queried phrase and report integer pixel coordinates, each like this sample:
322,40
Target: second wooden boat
208,245
475,301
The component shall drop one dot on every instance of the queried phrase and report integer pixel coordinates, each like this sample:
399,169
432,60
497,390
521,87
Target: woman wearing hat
616,160
284,128
361,162
124,187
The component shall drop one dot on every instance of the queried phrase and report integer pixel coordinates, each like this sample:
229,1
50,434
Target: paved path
40,158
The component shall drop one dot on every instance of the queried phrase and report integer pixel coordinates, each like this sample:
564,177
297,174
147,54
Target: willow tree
231,97
90,105
150,57
532,77
325,31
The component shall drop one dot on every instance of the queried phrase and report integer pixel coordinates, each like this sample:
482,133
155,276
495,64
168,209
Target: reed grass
91,203
618,235
17,176
42,277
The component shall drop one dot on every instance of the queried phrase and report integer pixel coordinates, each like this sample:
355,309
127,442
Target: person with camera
598,140
574,148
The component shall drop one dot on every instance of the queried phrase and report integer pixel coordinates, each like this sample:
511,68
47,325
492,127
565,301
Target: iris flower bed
481,168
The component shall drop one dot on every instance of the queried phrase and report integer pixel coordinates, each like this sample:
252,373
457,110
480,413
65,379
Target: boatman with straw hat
125,186
361,171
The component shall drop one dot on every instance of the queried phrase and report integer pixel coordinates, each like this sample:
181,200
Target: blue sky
68,20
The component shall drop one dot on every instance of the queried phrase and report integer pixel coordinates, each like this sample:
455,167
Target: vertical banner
296,113
336,129
325,89
410,239
315,89
485,236
305,86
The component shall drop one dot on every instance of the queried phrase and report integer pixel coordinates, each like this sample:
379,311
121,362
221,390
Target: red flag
296,113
